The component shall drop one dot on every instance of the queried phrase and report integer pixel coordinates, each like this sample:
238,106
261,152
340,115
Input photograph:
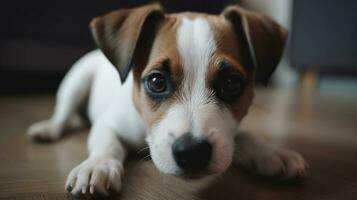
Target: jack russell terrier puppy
180,83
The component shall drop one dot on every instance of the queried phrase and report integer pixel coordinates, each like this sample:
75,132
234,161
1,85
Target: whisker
142,149
143,159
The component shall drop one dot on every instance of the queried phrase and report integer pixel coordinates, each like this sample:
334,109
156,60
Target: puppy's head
193,77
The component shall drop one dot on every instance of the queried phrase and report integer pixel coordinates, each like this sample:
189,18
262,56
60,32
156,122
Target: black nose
191,153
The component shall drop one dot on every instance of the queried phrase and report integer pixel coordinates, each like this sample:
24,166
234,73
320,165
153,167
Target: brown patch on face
163,50
241,107
228,50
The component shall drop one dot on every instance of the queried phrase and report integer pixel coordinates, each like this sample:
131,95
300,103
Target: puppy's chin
199,181
195,176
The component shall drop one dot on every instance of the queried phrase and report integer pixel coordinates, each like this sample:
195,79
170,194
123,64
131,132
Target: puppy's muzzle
191,154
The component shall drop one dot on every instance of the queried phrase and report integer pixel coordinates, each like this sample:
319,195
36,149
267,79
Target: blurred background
40,40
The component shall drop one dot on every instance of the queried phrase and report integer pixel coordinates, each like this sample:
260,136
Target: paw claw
84,189
94,177
91,189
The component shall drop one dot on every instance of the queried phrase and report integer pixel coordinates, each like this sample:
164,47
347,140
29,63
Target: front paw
95,177
273,162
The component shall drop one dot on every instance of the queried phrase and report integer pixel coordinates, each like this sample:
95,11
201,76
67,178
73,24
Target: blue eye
156,83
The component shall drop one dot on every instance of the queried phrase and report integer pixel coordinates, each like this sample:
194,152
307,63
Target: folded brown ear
261,38
118,34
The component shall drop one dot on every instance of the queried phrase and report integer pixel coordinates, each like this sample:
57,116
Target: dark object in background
324,36
40,40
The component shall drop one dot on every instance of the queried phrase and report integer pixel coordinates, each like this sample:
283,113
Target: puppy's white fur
115,120
112,113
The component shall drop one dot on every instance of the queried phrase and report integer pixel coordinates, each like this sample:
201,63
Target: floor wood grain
323,127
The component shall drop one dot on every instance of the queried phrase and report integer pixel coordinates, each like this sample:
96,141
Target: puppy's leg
71,94
101,172
267,160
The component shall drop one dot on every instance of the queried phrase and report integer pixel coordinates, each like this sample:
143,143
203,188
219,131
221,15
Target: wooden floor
323,127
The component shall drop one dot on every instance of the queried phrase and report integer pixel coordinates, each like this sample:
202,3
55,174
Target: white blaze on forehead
196,44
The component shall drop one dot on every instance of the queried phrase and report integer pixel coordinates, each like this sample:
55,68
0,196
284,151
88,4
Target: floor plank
323,127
